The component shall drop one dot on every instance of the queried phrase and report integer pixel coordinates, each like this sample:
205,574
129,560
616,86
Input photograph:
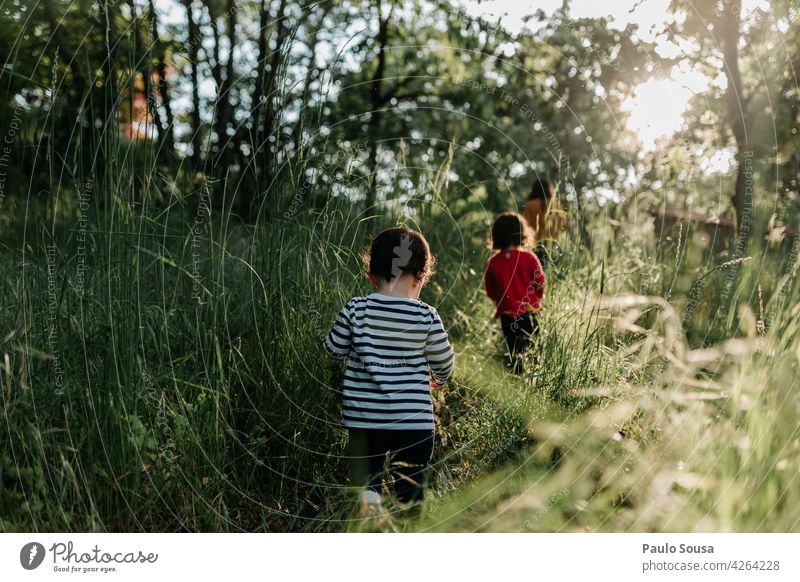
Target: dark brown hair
399,250
541,190
509,229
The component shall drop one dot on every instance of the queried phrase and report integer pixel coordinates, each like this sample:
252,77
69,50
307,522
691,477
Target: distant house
135,115
705,230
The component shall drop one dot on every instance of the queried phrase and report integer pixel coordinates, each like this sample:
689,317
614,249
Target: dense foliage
187,187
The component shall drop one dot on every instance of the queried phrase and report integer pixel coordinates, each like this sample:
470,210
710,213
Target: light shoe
368,502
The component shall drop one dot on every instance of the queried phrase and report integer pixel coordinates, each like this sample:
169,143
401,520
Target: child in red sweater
515,281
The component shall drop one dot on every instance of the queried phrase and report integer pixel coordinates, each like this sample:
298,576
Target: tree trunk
261,75
258,87
738,119
166,144
146,71
223,114
194,52
216,67
267,127
377,101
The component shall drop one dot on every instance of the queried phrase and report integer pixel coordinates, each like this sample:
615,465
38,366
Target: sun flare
656,109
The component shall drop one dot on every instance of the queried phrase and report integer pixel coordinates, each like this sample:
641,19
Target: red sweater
515,281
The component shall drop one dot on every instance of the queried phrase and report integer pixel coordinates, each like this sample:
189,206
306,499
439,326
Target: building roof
711,219
681,214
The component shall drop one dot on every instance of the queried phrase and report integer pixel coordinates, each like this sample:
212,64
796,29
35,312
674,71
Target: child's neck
511,248
402,286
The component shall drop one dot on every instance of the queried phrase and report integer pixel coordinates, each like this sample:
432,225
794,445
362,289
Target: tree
224,77
266,128
193,43
166,133
716,28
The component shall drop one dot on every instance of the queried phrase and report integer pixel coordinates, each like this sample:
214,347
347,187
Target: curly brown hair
399,250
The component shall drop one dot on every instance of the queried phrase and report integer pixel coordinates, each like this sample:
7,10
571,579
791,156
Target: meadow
162,371
164,294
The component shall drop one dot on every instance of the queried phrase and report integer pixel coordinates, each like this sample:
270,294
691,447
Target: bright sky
648,14
657,107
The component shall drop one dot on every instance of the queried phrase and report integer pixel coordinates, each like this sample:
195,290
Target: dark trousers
408,451
520,332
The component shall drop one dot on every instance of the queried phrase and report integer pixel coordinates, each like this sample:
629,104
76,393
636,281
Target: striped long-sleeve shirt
392,345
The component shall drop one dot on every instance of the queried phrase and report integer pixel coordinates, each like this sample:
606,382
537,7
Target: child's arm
490,286
439,352
538,279
337,342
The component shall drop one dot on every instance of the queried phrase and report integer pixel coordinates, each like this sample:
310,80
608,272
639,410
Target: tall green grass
193,395
177,384
676,439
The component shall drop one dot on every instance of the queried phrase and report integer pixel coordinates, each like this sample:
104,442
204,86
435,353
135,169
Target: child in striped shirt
395,345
